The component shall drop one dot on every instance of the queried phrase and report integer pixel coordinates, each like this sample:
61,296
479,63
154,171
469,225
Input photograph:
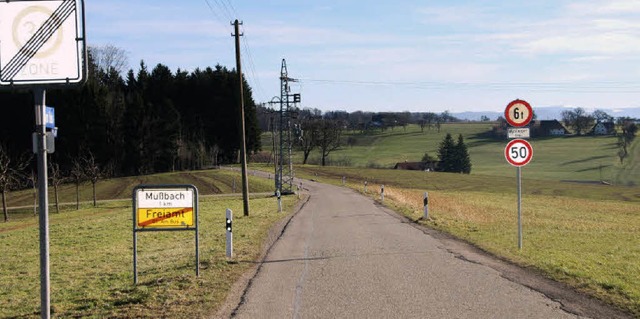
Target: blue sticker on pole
49,117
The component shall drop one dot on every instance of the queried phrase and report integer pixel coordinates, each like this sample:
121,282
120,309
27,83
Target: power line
226,9
599,86
252,67
233,10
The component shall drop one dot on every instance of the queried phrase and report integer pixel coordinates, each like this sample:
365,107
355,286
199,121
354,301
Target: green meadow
91,252
570,158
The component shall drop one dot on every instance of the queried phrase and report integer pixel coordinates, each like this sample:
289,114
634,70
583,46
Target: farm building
603,128
548,128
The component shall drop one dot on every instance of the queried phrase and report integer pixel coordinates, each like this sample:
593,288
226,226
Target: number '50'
519,152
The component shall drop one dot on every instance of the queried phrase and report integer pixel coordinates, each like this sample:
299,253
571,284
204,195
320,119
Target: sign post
164,208
42,44
518,152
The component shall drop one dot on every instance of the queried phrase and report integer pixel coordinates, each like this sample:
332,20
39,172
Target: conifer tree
463,161
446,152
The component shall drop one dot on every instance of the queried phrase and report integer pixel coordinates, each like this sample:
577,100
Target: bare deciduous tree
92,172
578,119
77,174
11,176
308,139
329,137
109,57
33,181
55,176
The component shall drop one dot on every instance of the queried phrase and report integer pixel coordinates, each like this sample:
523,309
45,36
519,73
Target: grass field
91,255
584,158
581,234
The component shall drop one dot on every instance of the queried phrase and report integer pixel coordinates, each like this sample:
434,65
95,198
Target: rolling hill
587,159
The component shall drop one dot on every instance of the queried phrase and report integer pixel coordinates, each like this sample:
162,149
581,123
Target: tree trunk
55,191
94,195
4,206
35,201
306,157
77,195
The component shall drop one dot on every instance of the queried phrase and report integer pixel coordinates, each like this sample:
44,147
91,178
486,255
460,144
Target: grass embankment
91,257
585,235
580,158
208,182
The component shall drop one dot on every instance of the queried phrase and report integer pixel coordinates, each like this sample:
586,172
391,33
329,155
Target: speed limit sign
518,113
518,152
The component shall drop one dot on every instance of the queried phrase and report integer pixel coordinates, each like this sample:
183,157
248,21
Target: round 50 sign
518,152
518,113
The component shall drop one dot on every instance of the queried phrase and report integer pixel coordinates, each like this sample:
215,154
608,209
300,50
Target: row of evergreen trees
453,157
150,121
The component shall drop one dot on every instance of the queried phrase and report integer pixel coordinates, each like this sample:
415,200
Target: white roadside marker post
229,228
382,193
279,201
425,202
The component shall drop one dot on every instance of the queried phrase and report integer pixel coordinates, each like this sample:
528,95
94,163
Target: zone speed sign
518,113
518,152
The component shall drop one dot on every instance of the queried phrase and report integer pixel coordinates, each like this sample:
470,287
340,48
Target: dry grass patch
592,245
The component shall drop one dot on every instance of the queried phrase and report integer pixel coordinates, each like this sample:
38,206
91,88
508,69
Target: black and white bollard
425,202
279,201
343,180
365,187
229,228
382,193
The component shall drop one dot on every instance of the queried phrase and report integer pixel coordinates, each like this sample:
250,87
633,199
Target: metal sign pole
39,95
197,221
519,178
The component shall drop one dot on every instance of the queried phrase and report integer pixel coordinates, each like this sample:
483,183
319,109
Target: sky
413,55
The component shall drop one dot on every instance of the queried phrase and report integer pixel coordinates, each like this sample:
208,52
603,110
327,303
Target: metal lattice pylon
284,168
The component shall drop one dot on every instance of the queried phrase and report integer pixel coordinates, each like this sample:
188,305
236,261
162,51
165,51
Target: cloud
586,27
451,15
600,7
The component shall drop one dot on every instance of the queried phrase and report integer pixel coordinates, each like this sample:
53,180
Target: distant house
417,166
603,128
548,128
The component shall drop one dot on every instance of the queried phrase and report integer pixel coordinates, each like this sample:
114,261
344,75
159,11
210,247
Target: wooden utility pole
243,148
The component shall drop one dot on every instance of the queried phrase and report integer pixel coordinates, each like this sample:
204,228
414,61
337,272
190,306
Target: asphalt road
344,256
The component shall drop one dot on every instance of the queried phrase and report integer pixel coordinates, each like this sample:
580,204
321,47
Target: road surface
344,256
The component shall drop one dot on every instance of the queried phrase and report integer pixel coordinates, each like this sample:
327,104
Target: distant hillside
548,113
588,159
